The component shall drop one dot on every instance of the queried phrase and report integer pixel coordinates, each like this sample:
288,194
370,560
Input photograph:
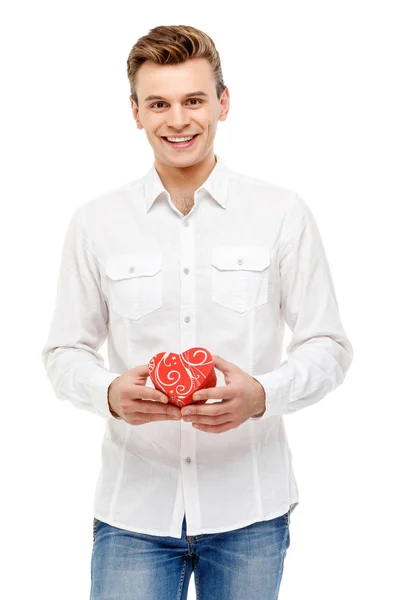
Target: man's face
174,114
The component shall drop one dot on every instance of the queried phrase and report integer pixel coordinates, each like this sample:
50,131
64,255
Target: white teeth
180,139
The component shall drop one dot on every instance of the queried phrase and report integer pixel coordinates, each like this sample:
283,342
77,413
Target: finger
215,393
213,420
216,409
156,408
222,365
140,418
220,428
141,370
150,393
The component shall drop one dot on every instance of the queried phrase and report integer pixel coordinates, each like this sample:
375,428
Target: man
191,255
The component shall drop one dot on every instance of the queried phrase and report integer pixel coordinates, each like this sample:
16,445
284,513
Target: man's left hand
242,397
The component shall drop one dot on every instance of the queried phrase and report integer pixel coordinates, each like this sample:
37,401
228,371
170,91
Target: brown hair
171,45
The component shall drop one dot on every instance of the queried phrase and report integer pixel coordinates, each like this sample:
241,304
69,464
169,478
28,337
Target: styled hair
171,45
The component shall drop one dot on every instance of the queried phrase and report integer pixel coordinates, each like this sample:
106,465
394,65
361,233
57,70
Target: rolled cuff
274,399
99,392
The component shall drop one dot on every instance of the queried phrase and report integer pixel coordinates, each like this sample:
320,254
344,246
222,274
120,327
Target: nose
177,118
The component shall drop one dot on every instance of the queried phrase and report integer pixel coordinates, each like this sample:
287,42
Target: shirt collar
216,184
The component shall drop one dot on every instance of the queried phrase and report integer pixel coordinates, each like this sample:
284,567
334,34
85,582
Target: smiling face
179,100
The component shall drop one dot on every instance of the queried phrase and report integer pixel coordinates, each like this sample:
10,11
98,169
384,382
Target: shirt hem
121,525
277,513
226,528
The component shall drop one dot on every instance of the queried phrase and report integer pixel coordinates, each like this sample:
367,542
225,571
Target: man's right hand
131,400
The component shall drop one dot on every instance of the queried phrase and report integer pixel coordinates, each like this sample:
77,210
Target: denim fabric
245,563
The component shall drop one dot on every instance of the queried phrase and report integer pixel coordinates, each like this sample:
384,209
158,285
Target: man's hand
131,400
243,397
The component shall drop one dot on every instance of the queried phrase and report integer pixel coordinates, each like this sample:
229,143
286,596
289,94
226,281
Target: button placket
188,340
187,285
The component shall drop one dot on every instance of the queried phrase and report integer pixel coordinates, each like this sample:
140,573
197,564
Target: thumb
140,370
223,365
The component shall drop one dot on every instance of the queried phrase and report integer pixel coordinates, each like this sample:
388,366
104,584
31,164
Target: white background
315,108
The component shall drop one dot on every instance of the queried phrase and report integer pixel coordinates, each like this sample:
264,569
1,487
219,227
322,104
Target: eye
190,100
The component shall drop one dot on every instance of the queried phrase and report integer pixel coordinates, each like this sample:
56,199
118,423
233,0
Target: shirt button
187,319
188,459
132,269
240,261
186,223
186,270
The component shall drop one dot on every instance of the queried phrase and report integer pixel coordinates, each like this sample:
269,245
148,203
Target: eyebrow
198,93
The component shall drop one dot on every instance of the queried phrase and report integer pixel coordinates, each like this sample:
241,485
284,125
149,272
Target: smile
184,144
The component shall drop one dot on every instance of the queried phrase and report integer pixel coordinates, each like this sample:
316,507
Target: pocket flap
254,258
133,264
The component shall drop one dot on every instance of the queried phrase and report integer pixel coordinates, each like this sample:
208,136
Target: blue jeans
245,563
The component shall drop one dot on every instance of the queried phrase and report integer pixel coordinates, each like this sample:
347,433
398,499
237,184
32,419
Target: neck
185,179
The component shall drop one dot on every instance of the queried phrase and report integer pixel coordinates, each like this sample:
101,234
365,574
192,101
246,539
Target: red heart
180,375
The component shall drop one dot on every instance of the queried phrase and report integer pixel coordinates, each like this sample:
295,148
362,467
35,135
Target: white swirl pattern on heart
180,375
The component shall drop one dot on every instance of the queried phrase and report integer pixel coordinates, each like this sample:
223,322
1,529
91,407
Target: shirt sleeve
319,353
78,328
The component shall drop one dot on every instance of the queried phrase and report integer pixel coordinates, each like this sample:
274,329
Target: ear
224,105
135,111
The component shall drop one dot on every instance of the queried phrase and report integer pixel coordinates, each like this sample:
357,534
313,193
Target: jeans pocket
287,518
95,524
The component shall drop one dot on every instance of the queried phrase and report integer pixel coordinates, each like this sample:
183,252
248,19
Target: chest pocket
135,283
240,276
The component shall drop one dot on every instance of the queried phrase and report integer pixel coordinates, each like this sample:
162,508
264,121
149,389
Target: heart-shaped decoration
179,376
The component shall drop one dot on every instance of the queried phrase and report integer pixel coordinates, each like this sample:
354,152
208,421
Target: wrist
262,405
112,411
114,414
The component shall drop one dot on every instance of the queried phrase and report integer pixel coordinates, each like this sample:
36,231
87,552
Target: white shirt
247,258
